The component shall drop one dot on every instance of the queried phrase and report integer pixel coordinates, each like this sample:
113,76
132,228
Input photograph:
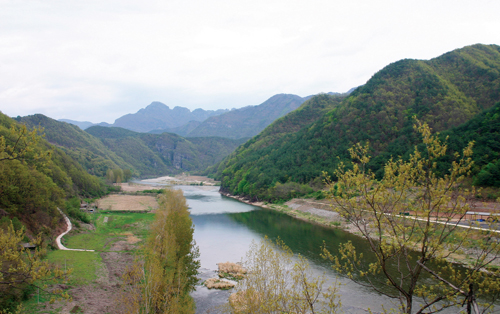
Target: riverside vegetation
161,281
409,249
457,94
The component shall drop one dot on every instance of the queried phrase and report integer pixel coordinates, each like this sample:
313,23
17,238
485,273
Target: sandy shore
182,179
314,211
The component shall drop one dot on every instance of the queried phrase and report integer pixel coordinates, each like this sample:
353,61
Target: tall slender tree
162,282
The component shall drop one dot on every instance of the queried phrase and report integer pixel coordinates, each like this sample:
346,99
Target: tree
20,268
162,282
127,174
21,143
277,284
110,176
23,190
410,252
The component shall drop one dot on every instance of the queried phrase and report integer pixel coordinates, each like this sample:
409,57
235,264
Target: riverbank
320,212
314,211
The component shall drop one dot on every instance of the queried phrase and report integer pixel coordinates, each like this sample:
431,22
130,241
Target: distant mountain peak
155,107
158,116
157,104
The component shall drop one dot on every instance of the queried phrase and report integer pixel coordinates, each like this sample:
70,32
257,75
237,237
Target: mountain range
445,92
240,123
99,148
457,94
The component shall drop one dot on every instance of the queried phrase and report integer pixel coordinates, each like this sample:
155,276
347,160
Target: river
225,228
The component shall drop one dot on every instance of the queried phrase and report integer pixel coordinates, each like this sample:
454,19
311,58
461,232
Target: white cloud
97,60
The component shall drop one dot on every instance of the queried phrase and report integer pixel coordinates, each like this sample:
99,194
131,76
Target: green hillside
89,151
445,92
166,153
31,189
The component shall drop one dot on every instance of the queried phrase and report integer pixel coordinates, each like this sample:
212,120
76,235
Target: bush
489,175
286,191
73,210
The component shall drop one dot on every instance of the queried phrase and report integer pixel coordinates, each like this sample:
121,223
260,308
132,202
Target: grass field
88,267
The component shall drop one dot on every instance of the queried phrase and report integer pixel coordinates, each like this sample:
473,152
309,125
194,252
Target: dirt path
68,229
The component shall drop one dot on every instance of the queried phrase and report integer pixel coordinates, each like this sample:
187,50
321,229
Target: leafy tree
163,281
20,268
277,284
21,144
489,175
411,252
110,176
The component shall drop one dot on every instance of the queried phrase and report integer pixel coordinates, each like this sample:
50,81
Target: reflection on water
225,228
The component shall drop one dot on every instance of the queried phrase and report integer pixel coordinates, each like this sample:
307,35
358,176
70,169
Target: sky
98,60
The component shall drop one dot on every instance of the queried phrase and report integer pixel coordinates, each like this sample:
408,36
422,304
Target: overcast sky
98,60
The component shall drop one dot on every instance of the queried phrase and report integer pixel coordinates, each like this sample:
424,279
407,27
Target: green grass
90,241
113,230
86,265
119,222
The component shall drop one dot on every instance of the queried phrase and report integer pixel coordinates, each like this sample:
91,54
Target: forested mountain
162,154
159,116
101,148
445,92
248,121
183,130
89,151
81,124
32,188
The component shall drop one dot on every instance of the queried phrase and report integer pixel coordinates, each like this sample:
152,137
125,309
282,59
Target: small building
27,245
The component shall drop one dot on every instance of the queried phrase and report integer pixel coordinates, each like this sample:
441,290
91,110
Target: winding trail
58,239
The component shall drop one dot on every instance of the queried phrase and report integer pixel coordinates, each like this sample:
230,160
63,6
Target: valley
374,188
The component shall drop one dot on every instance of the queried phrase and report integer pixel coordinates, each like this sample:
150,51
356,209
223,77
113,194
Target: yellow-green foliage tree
411,251
21,268
163,281
22,145
275,283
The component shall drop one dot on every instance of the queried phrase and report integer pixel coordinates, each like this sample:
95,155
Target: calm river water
225,228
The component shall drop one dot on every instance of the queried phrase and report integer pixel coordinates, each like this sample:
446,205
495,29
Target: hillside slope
89,151
163,154
248,121
31,189
444,92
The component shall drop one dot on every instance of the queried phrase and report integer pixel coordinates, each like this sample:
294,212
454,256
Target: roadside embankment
314,211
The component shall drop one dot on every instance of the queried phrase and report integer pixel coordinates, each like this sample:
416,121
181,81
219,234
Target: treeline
162,280
118,175
380,112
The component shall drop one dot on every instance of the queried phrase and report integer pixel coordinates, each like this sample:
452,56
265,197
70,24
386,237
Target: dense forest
89,151
445,92
99,149
166,153
34,183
